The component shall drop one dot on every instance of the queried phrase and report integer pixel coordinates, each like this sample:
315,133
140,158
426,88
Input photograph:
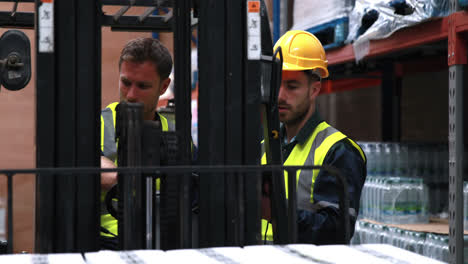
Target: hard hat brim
293,67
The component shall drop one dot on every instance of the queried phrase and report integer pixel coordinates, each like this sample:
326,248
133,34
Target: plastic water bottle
465,205
428,250
397,160
355,240
2,219
444,248
414,200
377,198
387,202
371,159
420,238
379,164
424,214
403,160
387,158
363,203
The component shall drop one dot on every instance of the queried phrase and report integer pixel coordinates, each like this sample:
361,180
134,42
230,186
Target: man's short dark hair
312,76
140,50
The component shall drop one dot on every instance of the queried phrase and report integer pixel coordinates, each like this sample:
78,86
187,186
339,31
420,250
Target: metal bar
233,220
15,7
252,136
132,185
65,33
292,206
456,44
241,207
148,3
10,213
211,120
146,14
456,149
233,119
48,171
182,72
123,10
149,183
133,23
20,1
23,20
88,104
45,139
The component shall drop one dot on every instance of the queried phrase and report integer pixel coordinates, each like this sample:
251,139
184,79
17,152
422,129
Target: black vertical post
66,92
10,213
88,105
234,101
292,206
68,103
252,135
45,128
211,54
182,57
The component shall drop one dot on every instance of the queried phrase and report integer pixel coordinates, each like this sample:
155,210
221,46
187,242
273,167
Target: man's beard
297,118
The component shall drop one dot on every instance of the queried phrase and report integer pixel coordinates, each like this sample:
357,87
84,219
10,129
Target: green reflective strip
109,223
359,149
102,134
269,235
166,125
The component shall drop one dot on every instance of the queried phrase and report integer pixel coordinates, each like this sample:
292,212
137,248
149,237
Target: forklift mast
68,115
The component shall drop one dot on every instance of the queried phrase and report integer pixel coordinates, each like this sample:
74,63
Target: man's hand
108,179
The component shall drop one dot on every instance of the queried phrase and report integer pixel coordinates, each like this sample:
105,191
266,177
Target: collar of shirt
302,136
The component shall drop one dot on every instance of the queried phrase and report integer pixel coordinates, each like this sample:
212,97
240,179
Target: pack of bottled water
396,189
396,200
428,244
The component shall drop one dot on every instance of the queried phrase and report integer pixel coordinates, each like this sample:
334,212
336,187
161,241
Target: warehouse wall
356,113
17,149
424,109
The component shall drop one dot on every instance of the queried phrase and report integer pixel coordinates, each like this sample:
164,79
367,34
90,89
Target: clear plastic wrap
377,19
311,13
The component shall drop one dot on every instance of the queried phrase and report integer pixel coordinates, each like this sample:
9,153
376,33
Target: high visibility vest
109,149
311,153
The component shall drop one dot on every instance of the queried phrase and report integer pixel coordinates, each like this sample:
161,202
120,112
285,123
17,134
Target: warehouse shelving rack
448,36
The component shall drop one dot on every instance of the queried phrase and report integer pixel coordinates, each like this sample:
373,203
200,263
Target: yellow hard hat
302,51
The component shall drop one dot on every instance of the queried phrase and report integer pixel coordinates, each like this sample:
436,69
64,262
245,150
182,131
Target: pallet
332,34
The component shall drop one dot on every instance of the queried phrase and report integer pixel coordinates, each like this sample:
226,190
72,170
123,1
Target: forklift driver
306,139
145,65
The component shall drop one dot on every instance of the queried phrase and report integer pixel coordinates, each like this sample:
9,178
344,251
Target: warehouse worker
145,65
308,140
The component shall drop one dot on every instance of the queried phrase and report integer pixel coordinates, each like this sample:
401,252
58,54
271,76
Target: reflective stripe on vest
312,152
109,149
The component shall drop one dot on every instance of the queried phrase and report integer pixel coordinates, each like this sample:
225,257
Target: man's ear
316,87
165,85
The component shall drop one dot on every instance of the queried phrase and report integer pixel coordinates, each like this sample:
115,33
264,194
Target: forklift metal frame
67,124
